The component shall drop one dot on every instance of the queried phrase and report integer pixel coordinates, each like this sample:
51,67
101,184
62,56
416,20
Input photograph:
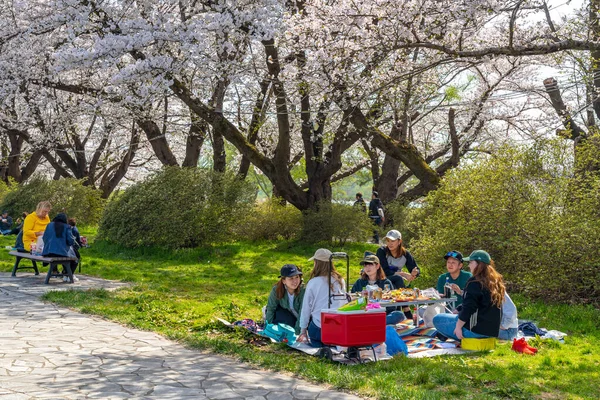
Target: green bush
66,195
524,207
270,220
177,208
336,223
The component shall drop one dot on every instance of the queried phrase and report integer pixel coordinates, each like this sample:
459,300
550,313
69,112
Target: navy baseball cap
289,270
454,254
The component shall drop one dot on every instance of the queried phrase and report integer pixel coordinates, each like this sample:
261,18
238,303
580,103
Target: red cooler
352,328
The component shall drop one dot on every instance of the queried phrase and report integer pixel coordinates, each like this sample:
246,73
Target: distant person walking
360,204
6,222
376,214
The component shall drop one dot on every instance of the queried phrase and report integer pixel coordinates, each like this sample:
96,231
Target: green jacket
273,302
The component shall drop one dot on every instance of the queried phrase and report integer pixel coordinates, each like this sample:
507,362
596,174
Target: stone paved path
48,352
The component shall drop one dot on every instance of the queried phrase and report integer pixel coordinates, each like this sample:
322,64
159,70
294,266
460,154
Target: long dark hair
492,280
60,222
281,290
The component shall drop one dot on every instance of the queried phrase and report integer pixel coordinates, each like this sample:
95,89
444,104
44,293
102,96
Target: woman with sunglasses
285,300
372,274
480,314
393,257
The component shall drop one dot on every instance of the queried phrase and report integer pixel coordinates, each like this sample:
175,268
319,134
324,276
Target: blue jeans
6,231
508,334
314,334
395,317
446,323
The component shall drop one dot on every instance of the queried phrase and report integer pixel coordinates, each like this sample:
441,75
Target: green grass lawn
179,294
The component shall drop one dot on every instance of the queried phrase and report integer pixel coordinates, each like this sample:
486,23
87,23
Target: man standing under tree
376,214
360,204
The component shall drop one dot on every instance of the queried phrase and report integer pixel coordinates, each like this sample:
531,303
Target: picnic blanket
420,340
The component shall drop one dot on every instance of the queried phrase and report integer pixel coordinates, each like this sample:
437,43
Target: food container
353,328
478,344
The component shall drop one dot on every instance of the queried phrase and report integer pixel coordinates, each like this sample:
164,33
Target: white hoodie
315,299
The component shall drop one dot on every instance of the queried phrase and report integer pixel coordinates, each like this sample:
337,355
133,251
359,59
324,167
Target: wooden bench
54,262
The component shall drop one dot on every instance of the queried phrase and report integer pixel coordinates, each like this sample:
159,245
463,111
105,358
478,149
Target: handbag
280,333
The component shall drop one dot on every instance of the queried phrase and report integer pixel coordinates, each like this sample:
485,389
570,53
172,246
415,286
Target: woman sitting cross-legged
483,295
372,274
58,239
285,300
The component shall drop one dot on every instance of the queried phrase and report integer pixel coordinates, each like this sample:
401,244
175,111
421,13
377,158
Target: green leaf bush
530,209
336,223
177,207
270,220
66,195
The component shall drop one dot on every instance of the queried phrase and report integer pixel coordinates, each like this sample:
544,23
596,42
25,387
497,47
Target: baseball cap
289,270
393,235
321,255
479,255
454,254
370,259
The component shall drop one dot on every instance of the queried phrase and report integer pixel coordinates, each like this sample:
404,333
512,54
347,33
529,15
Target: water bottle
447,288
33,248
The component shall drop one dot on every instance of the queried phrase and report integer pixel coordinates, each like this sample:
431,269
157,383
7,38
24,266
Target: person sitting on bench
6,223
35,224
58,239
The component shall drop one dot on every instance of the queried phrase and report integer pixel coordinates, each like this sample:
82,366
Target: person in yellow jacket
35,224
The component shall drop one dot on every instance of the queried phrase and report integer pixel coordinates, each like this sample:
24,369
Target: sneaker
75,279
65,278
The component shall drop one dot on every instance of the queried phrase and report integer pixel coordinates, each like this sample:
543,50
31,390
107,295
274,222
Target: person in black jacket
481,311
394,257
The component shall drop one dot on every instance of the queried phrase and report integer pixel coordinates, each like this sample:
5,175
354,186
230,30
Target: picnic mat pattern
421,339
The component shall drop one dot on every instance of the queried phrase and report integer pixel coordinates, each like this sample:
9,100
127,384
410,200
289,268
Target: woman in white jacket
316,297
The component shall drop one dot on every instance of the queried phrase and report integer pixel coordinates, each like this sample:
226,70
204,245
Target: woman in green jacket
285,300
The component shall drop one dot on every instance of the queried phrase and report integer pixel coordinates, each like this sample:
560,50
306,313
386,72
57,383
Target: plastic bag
393,342
430,312
39,247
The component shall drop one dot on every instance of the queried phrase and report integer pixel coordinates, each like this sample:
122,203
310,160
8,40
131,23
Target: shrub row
66,195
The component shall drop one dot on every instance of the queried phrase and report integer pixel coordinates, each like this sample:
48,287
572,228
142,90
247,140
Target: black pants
283,316
73,263
397,281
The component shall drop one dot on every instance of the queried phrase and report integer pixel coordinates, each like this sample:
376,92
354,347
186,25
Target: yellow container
478,344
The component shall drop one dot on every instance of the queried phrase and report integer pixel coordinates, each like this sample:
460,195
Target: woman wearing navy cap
285,300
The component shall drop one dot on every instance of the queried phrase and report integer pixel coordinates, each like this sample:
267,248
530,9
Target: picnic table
53,263
450,302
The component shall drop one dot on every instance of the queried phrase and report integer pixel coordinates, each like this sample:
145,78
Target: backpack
280,333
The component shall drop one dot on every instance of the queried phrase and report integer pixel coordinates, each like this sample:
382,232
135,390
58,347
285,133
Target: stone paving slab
48,352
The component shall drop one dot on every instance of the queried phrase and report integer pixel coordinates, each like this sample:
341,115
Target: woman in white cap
393,257
285,300
316,297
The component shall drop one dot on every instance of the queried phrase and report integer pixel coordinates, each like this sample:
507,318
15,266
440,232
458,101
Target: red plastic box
352,328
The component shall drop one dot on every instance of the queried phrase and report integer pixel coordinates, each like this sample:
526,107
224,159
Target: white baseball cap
393,235
321,255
